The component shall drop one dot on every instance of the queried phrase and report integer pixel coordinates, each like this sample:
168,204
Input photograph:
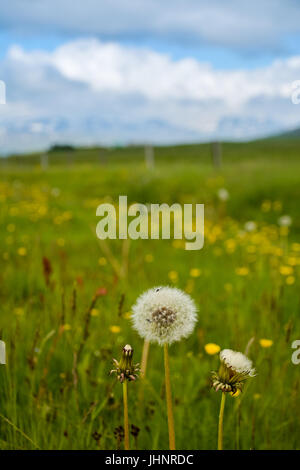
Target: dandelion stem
144,359
221,416
126,425
169,399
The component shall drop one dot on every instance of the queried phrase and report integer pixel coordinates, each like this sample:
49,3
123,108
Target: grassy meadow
66,298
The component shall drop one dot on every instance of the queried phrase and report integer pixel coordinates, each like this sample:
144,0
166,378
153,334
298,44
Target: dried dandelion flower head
125,369
164,315
234,370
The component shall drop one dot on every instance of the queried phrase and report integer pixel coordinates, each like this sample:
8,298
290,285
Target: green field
55,390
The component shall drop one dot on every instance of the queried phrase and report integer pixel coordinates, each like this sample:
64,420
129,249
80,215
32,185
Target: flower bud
125,369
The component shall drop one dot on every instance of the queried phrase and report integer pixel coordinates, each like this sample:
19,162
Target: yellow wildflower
286,270
212,348
243,271
266,206
265,343
177,243
195,272
290,280
230,245
115,329
173,276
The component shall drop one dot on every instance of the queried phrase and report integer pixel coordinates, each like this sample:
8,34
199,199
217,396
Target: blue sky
123,71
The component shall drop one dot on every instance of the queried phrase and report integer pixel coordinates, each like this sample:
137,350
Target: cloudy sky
133,71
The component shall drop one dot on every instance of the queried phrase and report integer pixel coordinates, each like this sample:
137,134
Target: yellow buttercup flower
149,258
178,244
67,327
115,329
212,348
173,276
243,271
266,206
195,272
230,245
286,270
22,251
60,242
102,261
265,343
290,280
94,312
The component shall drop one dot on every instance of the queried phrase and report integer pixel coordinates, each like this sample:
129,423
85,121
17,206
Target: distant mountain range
294,134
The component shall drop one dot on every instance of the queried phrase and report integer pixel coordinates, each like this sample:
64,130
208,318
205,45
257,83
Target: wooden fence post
149,157
216,152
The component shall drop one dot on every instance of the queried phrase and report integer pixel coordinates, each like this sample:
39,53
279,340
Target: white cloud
118,69
91,91
254,25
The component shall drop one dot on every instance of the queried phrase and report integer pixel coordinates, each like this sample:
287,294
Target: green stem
221,416
238,424
126,423
144,359
169,399
143,373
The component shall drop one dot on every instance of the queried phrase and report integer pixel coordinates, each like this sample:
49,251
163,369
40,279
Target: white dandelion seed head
285,221
223,194
250,226
237,361
164,315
